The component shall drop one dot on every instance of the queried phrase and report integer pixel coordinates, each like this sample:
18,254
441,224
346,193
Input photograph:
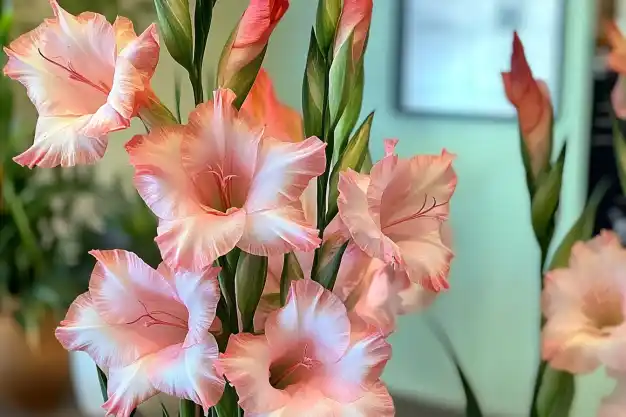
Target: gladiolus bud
356,18
352,157
313,90
175,24
534,111
328,12
244,52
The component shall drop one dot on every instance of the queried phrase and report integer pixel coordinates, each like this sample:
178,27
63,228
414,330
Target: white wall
491,311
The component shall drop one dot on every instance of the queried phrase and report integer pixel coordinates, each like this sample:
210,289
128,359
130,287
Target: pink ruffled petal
189,372
83,329
246,365
125,290
59,141
143,52
200,293
159,175
128,387
312,315
360,366
278,231
194,242
375,403
357,217
127,85
284,171
426,258
104,121
220,152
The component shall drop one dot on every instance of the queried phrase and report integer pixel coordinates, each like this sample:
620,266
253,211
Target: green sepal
327,19
249,283
352,157
351,114
313,90
292,271
340,81
175,24
327,275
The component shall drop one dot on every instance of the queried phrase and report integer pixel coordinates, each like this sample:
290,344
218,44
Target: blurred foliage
51,218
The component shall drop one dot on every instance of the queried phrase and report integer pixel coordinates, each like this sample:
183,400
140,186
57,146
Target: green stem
196,84
188,408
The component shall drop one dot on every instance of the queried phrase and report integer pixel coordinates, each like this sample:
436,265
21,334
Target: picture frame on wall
452,53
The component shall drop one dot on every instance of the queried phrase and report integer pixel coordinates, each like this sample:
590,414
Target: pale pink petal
124,32
159,175
194,242
614,405
283,172
83,329
278,231
125,290
189,372
134,68
618,97
356,215
259,20
359,367
312,314
127,85
246,365
567,346
263,108
200,293
375,403
58,142
128,387
104,121
143,52
426,258
309,205
419,187
220,152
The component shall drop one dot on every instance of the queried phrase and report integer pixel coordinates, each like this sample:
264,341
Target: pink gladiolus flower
312,360
617,63
584,307
216,184
264,109
86,78
356,17
395,213
531,99
251,36
149,328
614,405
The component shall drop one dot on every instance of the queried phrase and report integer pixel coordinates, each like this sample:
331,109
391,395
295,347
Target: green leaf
582,229
352,157
249,283
102,379
556,394
291,271
545,201
351,115
186,408
472,407
328,12
340,81
227,406
175,24
327,274
367,164
619,148
313,90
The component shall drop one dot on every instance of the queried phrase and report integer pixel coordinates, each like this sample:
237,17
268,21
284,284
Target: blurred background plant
51,218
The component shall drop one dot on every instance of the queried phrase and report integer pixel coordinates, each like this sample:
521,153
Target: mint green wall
492,309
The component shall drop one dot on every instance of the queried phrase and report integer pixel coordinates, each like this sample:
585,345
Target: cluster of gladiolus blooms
233,179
